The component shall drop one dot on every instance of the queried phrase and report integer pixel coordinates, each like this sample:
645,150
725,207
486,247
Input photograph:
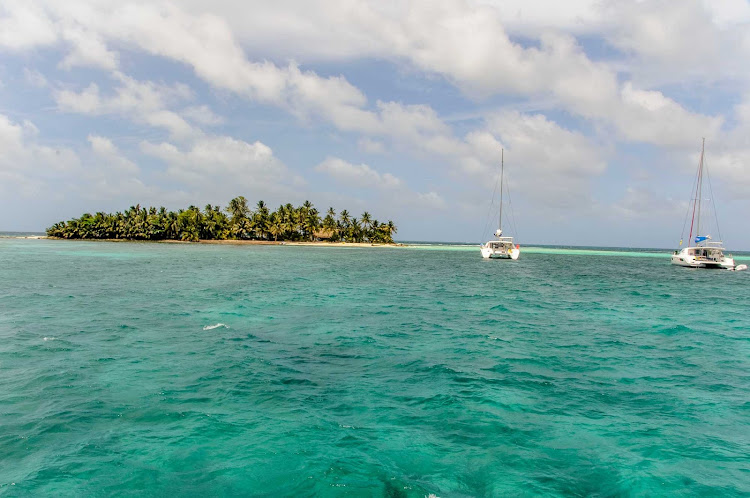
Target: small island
238,222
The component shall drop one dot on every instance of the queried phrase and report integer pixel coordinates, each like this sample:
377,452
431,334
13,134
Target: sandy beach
232,242
293,243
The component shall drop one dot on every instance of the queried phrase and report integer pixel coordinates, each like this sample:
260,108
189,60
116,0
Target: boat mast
697,198
700,190
502,168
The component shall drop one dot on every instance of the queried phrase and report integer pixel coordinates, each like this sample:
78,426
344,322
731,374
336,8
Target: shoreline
287,243
229,242
25,237
541,249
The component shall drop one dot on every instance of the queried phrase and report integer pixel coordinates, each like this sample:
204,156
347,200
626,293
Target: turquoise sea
204,370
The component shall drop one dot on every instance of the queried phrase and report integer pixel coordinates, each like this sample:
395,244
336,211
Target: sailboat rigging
501,247
706,252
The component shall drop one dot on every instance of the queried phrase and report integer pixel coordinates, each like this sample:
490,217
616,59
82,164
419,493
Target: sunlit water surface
173,370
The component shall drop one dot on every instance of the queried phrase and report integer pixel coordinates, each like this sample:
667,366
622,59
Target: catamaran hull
490,253
683,259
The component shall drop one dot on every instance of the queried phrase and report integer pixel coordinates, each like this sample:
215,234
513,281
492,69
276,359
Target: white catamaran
706,253
502,247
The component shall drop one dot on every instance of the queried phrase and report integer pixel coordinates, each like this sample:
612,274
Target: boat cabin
501,243
713,253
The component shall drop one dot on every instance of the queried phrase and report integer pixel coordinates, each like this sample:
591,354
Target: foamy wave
50,338
211,327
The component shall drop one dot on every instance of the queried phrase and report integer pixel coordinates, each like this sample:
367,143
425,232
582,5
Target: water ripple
368,373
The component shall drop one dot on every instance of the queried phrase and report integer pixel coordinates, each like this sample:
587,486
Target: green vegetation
239,222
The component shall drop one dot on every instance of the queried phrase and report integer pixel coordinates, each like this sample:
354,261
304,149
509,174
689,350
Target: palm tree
311,223
238,208
329,224
243,229
260,220
366,221
173,225
275,226
190,224
344,218
288,222
391,230
354,231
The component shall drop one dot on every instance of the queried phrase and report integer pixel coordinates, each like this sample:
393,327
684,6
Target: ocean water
204,370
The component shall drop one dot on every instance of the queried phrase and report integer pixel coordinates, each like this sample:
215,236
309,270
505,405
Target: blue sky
398,108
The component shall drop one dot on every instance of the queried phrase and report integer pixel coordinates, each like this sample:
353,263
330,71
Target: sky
399,108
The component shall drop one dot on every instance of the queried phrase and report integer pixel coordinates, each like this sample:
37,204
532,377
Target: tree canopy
237,222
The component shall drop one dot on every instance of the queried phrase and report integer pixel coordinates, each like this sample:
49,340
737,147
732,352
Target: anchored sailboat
706,252
502,247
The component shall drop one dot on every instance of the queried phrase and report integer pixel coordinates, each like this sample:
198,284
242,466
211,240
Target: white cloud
87,49
144,102
26,164
221,165
529,19
644,203
728,162
333,97
732,168
206,43
726,13
202,115
361,176
371,146
742,112
681,37
541,145
696,40
430,200
410,122
728,155
557,67
544,161
105,149
465,42
129,96
112,175
24,25
319,30
470,47
390,189
87,101
31,170
177,126
650,117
